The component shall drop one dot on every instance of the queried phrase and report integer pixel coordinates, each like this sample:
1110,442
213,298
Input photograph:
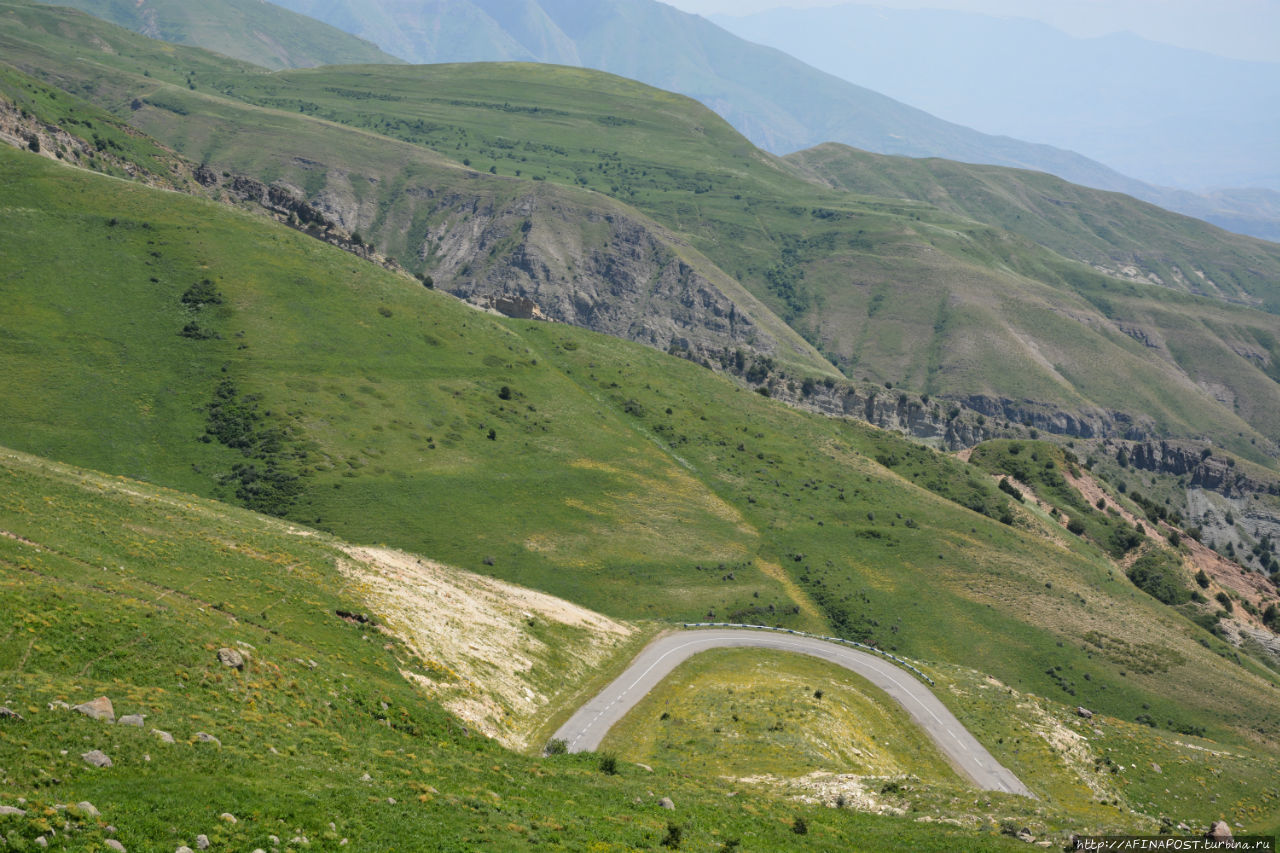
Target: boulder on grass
97,758
98,709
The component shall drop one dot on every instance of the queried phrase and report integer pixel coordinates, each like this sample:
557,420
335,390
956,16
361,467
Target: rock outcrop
1201,467
538,256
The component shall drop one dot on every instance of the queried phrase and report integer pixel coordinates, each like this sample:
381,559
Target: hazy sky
1243,29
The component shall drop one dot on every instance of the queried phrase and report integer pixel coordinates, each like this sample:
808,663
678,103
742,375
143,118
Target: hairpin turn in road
587,727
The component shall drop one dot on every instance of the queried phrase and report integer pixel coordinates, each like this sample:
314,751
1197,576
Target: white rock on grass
228,817
12,811
205,737
131,720
88,809
164,736
97,758
115,845
202,842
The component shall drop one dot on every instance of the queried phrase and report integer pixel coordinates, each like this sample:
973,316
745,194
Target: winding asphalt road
586,728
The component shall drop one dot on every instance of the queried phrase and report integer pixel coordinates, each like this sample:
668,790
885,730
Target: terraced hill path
587,727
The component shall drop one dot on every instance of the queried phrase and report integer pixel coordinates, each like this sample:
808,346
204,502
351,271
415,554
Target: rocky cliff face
601,270
1200,466
951,423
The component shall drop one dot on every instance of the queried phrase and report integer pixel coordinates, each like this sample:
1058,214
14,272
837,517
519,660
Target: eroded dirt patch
497,654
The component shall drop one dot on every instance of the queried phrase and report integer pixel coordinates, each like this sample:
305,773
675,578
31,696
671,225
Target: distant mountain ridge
249,30
1165,115
775,100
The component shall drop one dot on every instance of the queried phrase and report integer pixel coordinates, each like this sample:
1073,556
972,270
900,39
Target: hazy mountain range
1166,115
263,33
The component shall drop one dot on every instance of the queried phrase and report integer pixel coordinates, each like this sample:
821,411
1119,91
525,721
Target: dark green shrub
1010,489
202,293
196,332
1157,575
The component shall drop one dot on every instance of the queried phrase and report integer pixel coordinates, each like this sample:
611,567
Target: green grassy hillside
119,589
262,33
835,265
1108,231
890,291
303,382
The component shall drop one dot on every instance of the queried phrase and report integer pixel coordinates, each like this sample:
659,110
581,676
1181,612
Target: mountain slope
323,388
1113,233
250,30
981,322
797,248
